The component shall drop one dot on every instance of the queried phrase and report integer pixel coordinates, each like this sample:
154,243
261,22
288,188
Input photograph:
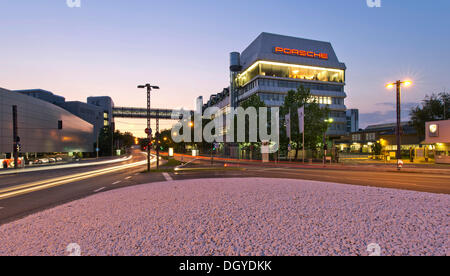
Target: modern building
107,104
361,141
43,95
274,64
97,113
438,140
352,120
90,113
43,127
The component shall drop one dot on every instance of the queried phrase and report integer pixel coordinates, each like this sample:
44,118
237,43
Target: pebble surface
250,216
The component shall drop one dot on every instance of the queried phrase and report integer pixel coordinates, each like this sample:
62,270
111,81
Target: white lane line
128,177
167,177
117,182
98,190
2,208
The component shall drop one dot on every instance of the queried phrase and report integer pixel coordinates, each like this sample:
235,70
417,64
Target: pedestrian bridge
155,113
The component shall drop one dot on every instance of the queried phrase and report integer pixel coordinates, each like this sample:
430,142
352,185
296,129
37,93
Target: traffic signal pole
149,135
15,150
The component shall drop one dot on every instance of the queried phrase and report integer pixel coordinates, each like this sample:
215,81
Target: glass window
281,70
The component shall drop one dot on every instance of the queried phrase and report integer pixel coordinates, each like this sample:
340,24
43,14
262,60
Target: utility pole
398,129
15,137
149,134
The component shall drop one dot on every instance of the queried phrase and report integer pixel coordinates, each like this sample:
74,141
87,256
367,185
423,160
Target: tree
433,108
104,141
252,101
121,140
315,125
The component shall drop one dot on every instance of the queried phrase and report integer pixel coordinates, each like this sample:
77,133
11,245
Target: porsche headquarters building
274,64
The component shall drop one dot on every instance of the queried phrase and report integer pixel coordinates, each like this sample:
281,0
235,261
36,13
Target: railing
155,113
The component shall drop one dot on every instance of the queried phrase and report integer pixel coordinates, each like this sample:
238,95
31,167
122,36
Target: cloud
385,116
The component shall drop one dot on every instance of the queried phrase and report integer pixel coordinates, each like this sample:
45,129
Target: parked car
59,159
44,161
52,160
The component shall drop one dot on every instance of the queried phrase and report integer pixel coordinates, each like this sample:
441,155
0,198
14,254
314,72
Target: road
27,193
415,181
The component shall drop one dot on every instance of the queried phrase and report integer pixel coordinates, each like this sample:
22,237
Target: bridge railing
155,113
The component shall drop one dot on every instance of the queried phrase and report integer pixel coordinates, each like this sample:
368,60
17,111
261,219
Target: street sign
148,131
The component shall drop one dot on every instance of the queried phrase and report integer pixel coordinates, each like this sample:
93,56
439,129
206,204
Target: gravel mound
255,216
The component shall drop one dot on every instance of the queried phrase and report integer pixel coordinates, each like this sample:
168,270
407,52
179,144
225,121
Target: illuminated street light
149,135
325,147
398,85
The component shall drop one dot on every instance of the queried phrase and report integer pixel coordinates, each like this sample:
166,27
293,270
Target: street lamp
398,85
149,133
325,147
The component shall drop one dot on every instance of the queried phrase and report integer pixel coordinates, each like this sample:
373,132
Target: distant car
52,160
59,159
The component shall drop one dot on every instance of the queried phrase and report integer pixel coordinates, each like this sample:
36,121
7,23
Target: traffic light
18,147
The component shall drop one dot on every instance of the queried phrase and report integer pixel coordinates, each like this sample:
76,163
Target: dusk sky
108,47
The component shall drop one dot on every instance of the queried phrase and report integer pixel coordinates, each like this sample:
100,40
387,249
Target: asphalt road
24,194
27,193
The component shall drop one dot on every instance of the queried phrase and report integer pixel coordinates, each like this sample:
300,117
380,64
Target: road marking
136,174
117,182
167,177
129,177
98,190
2,208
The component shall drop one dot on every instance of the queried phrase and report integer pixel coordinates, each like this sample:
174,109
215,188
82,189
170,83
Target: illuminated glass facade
289,71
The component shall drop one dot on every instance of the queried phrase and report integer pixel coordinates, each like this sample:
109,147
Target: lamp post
325,146
149,134
398,85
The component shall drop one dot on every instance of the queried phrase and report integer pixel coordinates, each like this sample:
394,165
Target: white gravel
238,217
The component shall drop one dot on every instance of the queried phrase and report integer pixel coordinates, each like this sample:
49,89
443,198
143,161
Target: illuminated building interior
291,71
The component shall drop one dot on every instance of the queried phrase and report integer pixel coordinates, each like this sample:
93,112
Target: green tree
433,108
315,125
104,141
256,102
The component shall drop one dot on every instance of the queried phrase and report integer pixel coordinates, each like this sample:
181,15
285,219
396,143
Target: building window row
280,70
289,84
276,97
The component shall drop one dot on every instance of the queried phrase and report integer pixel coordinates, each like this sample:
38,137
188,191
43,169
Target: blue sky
107,47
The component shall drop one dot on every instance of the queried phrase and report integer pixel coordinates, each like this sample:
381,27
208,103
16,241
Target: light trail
49,183
66,166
